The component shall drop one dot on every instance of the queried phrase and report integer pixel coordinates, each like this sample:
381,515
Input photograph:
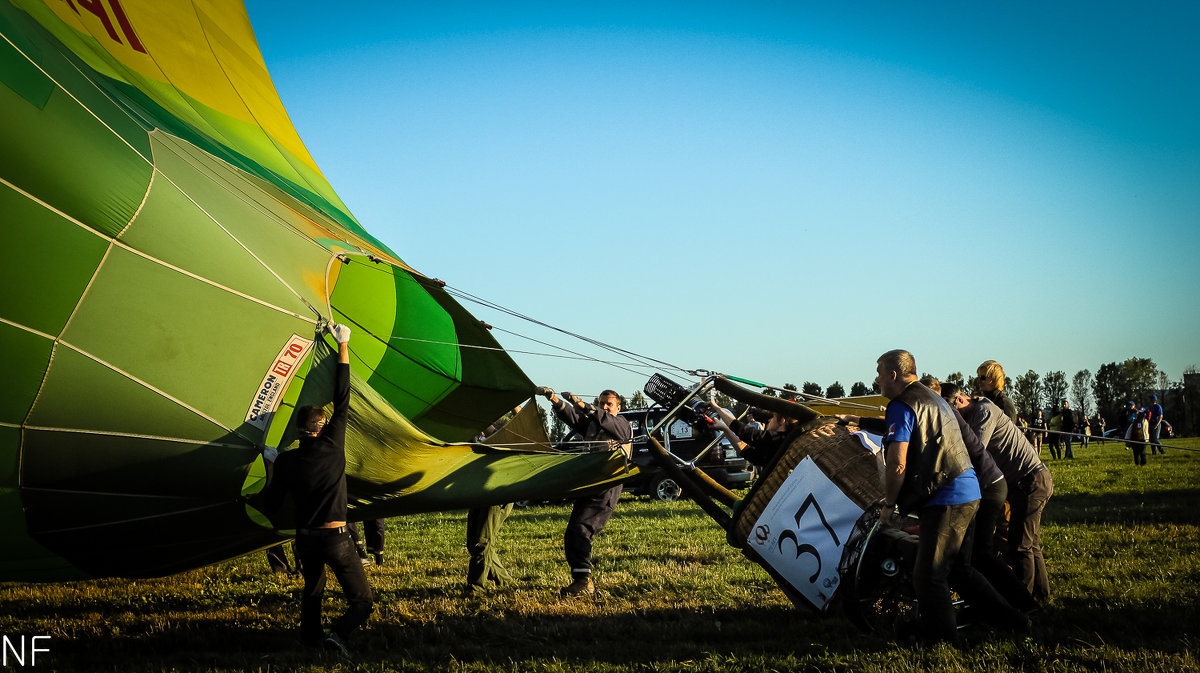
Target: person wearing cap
1029,486
756,442
1154,413
313,476
1133,432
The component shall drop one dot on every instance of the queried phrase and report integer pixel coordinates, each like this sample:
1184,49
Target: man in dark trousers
1154,414
602,426
313,475
1068,426
928,470
1029,486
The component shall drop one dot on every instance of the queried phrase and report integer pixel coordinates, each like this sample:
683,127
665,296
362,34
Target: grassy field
1122,545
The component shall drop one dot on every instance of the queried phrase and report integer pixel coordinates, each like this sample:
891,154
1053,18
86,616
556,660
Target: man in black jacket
1068,426
313,475
606,430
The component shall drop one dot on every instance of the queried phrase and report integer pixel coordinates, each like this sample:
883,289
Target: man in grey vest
1029,486
928,471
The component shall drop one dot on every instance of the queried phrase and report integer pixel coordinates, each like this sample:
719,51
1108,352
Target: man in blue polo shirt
928,471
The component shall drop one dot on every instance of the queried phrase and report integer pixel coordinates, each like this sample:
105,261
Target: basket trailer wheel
665,489
878,594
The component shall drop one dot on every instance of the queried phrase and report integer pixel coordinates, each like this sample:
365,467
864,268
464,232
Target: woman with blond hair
990,384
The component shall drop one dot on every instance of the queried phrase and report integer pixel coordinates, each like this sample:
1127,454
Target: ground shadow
644,637
1177,506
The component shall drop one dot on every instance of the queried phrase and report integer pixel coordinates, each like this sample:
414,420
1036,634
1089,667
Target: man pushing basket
928,470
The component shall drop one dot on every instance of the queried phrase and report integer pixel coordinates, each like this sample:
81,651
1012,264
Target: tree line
1104,393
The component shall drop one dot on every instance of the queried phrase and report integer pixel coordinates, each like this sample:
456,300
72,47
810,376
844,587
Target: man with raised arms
313,475
606,430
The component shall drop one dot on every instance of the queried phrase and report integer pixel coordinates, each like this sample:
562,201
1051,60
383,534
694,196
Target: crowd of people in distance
1141,427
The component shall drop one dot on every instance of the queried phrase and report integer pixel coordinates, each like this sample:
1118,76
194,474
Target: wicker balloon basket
841,456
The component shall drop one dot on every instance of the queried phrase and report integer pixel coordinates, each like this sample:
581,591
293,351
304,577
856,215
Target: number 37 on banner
801,531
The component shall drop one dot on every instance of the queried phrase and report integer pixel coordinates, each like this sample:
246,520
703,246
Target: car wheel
665,490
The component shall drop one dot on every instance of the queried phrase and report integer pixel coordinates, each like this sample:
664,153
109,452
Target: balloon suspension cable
642,360
502,349
577,355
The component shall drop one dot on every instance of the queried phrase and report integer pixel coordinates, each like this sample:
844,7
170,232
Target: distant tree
1027,394
1116,383
544,418
835,390
1055,385
637,401
1106,389
1142,374
973,385
770,392
1081,385
859,389
729,403
875,387
558,429
811,388
791,387
956,378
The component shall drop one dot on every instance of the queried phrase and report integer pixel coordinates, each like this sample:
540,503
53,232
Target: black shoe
334,643
378,559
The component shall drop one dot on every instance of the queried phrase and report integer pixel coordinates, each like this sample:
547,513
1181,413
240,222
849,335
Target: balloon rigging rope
645,361
560,356
579,356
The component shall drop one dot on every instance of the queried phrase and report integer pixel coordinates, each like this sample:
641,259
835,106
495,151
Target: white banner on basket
801,531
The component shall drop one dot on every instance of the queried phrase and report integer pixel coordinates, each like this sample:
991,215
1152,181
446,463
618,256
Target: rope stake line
1098,438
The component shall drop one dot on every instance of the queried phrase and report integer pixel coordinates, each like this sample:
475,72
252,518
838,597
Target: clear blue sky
780,191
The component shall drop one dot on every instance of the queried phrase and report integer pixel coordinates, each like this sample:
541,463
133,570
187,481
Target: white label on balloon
274,384
800,533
